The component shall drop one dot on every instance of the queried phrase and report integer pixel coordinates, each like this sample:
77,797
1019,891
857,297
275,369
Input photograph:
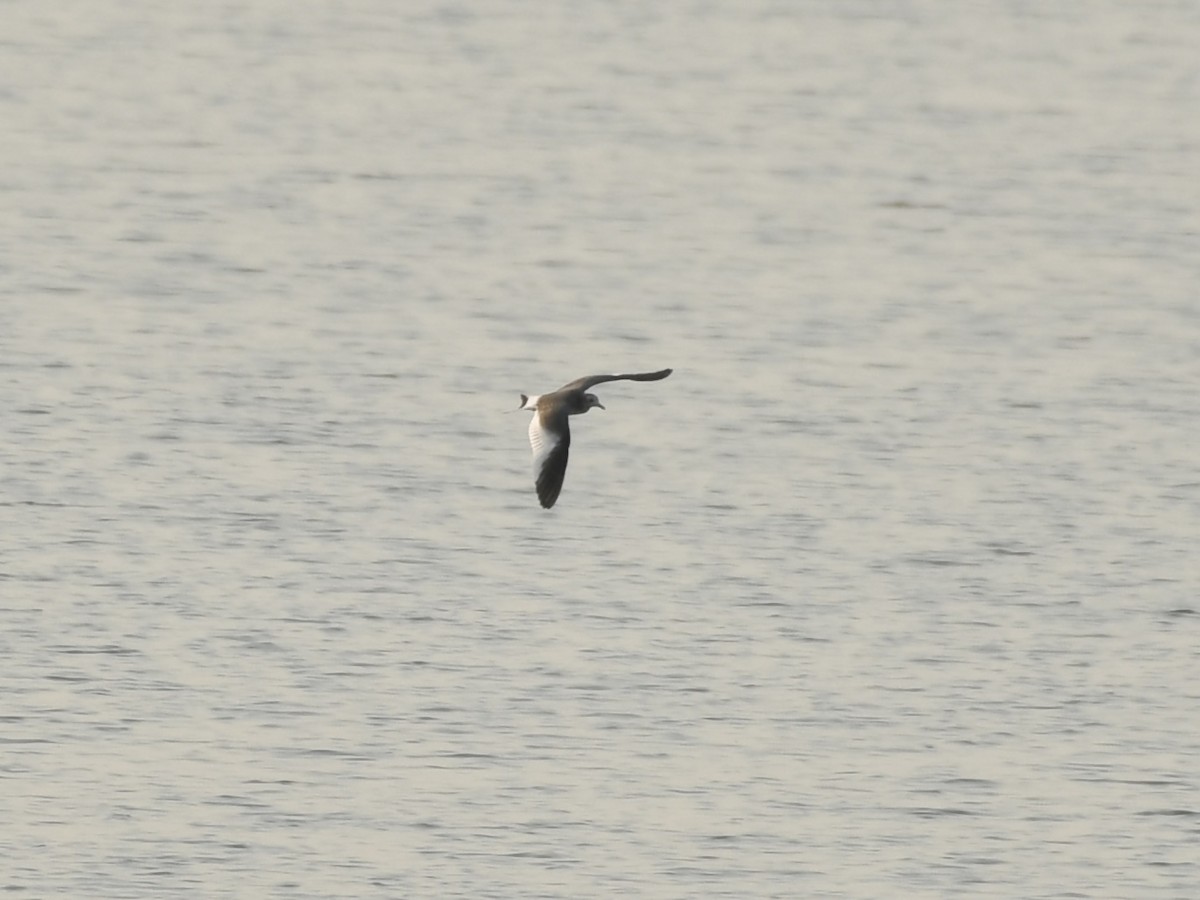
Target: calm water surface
889,591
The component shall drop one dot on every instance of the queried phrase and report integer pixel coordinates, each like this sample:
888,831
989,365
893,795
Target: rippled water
890,590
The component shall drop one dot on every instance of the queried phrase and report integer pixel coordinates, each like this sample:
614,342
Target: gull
550,434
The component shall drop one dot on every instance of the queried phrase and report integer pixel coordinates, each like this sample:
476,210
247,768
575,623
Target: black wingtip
548,494
524,400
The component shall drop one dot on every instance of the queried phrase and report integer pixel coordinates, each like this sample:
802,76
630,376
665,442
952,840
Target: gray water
890,590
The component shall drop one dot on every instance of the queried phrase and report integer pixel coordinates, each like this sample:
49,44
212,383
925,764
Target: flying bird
550,433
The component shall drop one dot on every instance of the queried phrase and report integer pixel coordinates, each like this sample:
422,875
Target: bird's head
590,400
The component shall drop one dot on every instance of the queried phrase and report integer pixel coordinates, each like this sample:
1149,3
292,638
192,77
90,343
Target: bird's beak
601,405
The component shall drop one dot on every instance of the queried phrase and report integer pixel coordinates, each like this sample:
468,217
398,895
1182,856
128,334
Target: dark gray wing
553,468
582,384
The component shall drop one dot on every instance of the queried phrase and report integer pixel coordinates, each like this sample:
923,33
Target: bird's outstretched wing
550,446
582,384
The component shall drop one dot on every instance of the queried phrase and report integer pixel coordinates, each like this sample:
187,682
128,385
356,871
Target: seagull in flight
550,434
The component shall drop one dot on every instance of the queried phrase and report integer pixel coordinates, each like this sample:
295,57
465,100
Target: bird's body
550,432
